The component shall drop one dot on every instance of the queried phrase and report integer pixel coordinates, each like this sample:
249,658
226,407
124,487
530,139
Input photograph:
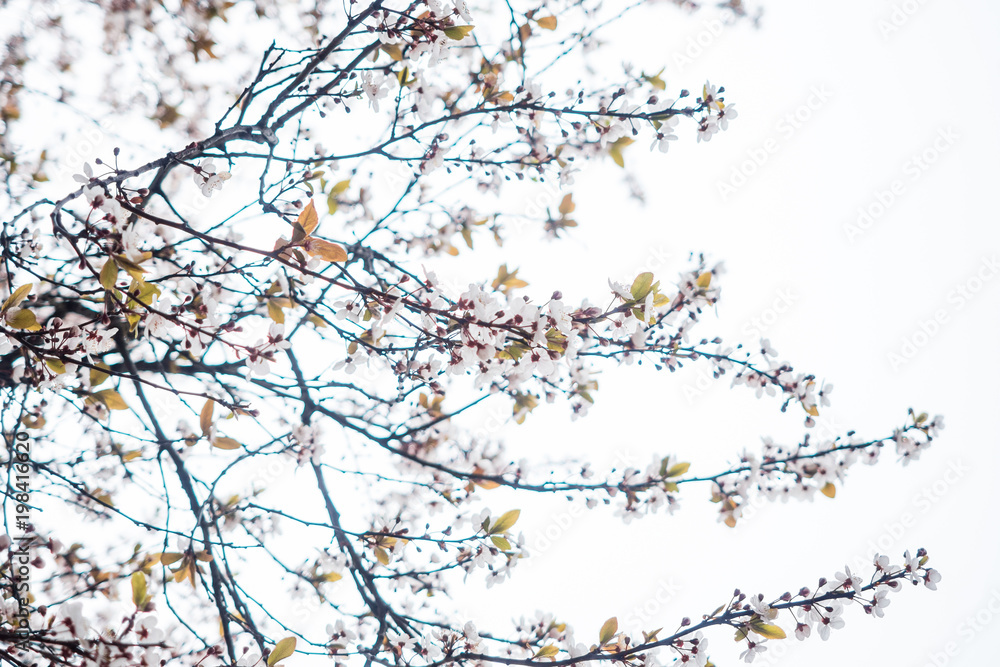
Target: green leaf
505,522
641,285
458,32
282,650
608,630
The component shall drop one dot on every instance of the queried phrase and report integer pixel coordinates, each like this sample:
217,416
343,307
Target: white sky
853,301
850,303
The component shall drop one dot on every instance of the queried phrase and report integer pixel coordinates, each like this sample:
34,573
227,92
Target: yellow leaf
130,267
56,366
547,22
143,292
500,543
328,252
205,418
317,321
282,650
768,630
308,219
458,32
169,558
507,280
505,522
226,443
547,651
16,297
566,206
33,422
393,51
608,630
139,589
704,280
615,151
829,490
382,555
275,312
678,470
642,285
341,187
811,410
109,274
332,576
112,399
23,319
655,80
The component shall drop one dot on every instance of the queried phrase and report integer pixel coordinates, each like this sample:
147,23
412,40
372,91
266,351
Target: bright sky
855,105
859,105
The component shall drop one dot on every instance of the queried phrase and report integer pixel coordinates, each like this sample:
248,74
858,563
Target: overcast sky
851,203
872,107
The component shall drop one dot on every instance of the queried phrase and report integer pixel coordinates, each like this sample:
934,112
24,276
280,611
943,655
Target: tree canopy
235,383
